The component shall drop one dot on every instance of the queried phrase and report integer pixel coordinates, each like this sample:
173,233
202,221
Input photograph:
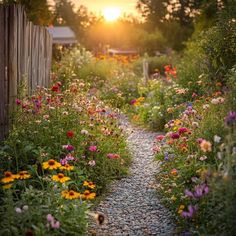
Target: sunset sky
126,6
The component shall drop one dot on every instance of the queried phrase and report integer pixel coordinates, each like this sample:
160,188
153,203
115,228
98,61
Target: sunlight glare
111,13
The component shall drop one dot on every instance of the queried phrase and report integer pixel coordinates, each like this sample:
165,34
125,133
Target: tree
37,10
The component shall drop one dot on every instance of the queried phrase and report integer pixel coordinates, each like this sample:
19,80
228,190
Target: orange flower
8,177
23,175
60,178
51,165
174,172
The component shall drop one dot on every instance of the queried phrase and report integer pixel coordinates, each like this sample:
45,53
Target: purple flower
188,193
190,213
230,118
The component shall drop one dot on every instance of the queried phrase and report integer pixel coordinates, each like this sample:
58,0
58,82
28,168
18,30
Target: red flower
70,134
55,88
183,130
174,136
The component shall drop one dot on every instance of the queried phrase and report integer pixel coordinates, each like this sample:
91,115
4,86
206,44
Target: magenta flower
113,156
230,118
93,148
18,101
174,136
183,130
190,213
133,101
68,147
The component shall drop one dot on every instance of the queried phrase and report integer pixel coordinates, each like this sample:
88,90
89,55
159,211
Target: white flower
25,207
203,158
18,210
83,131
217,138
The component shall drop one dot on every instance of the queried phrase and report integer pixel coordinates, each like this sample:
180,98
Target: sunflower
51,165
23,175
60,178
89,184
8,177
88,195
70,194
67,167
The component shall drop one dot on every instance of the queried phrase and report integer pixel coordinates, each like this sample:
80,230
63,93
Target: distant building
62,35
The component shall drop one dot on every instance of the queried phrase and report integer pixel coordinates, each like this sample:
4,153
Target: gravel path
132,207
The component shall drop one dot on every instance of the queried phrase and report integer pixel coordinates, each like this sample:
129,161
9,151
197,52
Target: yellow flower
173,198
8,177
67,167
180,210
70,194
23,175
88,195
60,178
51,165
7,186
89,184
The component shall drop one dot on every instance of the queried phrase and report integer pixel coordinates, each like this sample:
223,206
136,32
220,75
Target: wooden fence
25,55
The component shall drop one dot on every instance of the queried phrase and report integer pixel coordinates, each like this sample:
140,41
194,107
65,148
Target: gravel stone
132,207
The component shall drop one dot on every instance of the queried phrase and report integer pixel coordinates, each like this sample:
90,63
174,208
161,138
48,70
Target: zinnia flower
70,134
89,184
51,165
60,178
205,146
70,194
8,177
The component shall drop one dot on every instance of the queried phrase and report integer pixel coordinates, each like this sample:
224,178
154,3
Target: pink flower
18,101
113,156
174,136
55,224
183,130
92,163
206,146
93,148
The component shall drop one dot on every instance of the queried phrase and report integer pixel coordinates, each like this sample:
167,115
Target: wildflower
89,184
174,136
25,208
183,130
203,158
190,213
133,101
205,106
113,156
156,149
18,210
92,163
205,146
70,194
88,195
93,148
174,172
18,101
60,178
160,137
51,165
7,186
230,118
67,167
23,175
70,134
68,147
51,220
85,132
180,210
8,177
55,225
173,198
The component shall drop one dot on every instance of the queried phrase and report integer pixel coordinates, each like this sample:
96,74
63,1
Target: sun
111,13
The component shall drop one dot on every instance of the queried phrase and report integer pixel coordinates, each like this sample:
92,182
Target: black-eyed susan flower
88,195
8,177
60,178
51,165
70,194
67,167
89,184
23,175
7,186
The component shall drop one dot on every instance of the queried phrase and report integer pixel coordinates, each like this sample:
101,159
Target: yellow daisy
70,194
88,195
60,178
51,165
67,167
89,184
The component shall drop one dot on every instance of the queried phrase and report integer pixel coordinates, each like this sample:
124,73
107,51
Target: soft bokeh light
111,13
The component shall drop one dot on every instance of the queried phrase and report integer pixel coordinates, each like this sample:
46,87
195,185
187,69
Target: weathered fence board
25,56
